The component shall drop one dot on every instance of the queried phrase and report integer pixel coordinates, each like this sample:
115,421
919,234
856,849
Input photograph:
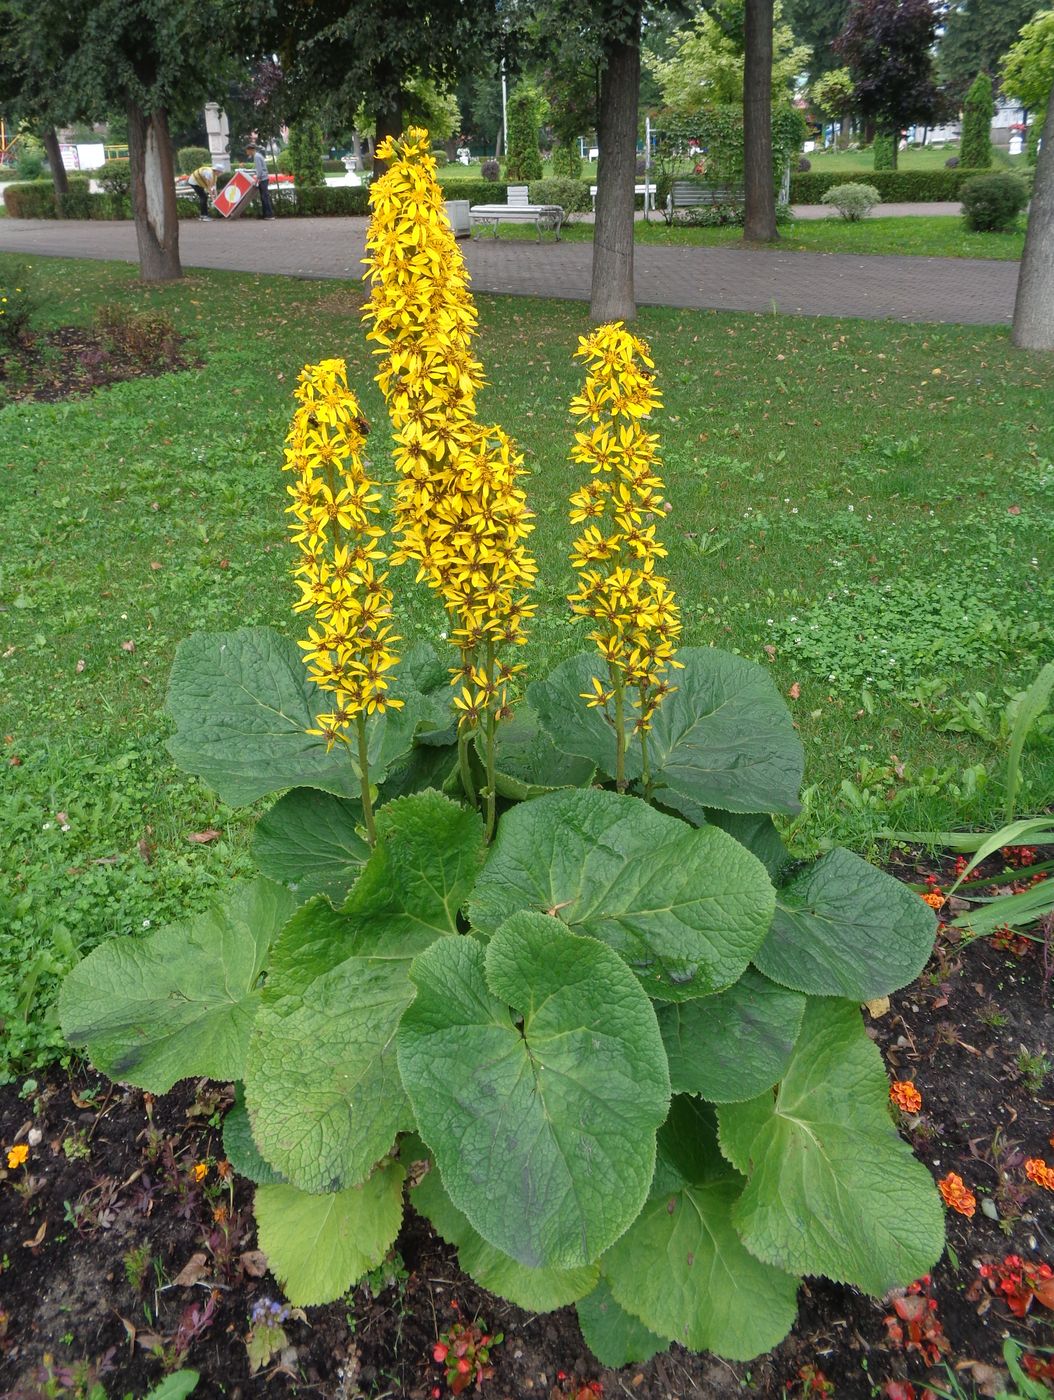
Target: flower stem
492,724
620,730
364,780
464,739
645,767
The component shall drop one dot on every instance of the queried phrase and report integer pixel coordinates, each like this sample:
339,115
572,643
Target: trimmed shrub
885,151
991,203
978,109
490,170
524,159
476,191
853,201
116,177
31,199
325,201
571,195
567,161
804,164
305,154
334,167
440,156
189,158
908,186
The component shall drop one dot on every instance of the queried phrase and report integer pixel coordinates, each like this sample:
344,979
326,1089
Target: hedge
898,186
476,191
36,200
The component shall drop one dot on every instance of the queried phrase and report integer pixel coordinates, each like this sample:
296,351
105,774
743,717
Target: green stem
620,730
645,767
364,780
492,724
464,739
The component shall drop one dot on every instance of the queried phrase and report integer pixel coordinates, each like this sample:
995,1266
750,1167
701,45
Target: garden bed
48,366
115,1256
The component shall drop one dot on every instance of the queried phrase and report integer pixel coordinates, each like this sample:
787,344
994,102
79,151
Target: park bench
518,210
646,190
688,194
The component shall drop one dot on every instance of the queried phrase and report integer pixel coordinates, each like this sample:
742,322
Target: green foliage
719,131
305,153
991,203
852,201
885,150
523,162
976,147
833,93
16,305
190,158
116,178
703,61
909,186
31,199
1028,66
567,161
976,34
30,165
571,195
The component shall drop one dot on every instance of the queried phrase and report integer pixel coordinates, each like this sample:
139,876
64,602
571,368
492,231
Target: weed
137,1264
1033,1069
464,1350
992,1016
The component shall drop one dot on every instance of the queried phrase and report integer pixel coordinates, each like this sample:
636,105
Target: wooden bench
518,210
687,194
648,191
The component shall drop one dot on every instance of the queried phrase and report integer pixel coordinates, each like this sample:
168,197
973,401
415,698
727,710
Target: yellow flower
17,1155
597,696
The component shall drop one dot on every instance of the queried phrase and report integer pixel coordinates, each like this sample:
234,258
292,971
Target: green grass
925,235
873,531
924,158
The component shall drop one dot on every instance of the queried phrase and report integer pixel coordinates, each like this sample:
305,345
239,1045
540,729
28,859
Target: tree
147,57
834,94
25,80
887,47
816,24
526,112
975,151
760,214
1033,327
1028,67
703,63
612,296
305,153
976,35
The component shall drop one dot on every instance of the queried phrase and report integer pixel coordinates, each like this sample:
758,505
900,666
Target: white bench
648,191
518,210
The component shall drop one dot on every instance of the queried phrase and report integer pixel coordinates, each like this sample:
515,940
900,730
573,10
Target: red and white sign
232,199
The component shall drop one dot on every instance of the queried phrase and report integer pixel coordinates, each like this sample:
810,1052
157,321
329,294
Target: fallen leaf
770,651
988,1379
254,1262
795,691
9,653
38,1238
878,1007
150,1341
202,838
194,1269
156,564
80,665
1013,510
146,851
128,646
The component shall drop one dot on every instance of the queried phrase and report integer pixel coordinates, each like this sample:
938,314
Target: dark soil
49,366
97,1227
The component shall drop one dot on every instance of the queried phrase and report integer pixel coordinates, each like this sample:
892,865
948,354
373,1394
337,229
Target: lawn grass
915,158
909,235
865,508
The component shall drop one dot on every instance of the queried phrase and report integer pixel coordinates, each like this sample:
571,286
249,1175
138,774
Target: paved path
969,290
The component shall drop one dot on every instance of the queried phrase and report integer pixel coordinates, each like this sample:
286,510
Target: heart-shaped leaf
311,839
686,908
541,1118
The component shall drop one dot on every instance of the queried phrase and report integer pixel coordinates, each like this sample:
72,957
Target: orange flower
16,1156
956,1196
1037,1170
200,1171
906,1097
933,898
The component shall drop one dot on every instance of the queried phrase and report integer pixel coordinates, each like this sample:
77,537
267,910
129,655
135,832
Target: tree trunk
51,149
1034,307
759,225
612,294
153,194
389,123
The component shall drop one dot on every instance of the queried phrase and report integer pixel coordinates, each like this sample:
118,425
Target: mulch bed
112,1256
49,366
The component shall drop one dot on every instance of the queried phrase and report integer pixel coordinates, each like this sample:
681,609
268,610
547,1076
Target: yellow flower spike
631,606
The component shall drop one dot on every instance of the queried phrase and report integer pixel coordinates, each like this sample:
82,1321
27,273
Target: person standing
203,182
260,167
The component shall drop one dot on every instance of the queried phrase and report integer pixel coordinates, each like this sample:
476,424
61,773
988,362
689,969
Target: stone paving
965,290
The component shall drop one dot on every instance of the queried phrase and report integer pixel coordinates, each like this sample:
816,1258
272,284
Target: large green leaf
756,831
239,1146
844,929
723,739
614,1336
527,761
709,1293
151,1011
686,908
318,1247
833,1189
311,839
322,1085
729,1047
242,703
536,1290
542,1119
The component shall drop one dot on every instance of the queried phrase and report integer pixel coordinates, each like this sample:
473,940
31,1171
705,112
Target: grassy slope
836,499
